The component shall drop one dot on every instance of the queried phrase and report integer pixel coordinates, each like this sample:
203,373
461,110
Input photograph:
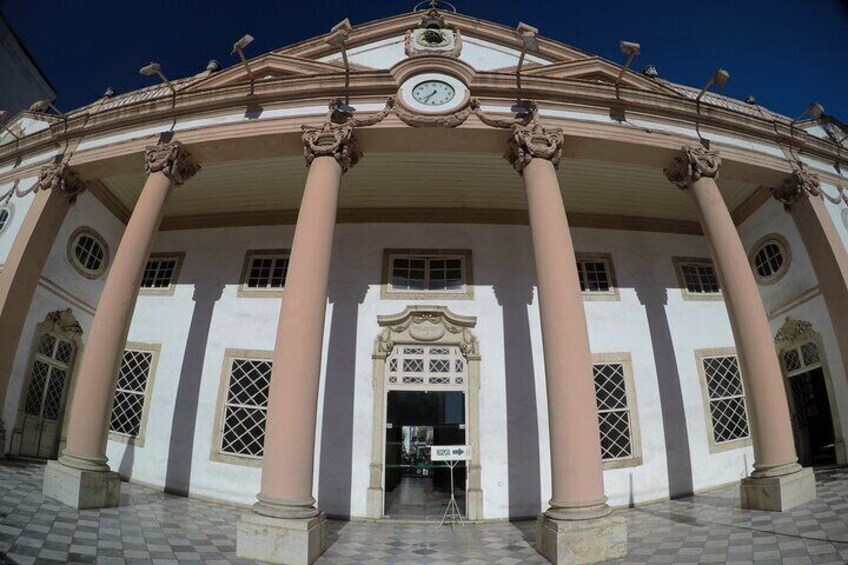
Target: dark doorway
812,423
416,488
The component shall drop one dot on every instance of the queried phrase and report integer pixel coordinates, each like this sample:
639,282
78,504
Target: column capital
534,141
799,184
331,140
61,177
693,163
172,159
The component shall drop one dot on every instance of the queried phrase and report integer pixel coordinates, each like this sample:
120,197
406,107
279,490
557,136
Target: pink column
576,471
166,165
696,170
55,191
287,466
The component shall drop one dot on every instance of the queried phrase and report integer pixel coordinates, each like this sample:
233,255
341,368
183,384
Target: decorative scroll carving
428,324
383,345
505,123
64,321
420,42
795,331
531,140
61,177
429,120
693,163
172,159
331,140
799,184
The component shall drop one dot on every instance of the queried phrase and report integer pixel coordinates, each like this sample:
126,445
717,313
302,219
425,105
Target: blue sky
787,53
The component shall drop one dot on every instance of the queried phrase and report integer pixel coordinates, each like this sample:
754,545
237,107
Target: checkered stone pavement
151,526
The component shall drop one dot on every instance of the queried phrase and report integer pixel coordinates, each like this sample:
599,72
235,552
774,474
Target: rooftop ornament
433,6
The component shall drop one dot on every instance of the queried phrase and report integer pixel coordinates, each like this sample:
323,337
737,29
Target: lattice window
159,272
130,392
266,271
595,275
428,366
87,252
243,430
801,358
769,259
5,217
420,273
46,388
699,277
726,398
614,416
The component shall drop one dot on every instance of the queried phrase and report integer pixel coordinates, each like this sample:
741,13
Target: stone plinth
581,541
778,494
81,489
281,540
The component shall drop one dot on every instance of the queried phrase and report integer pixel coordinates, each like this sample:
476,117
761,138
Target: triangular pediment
596,69
264,67
26,123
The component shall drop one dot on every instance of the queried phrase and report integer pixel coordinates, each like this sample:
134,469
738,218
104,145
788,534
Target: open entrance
416,488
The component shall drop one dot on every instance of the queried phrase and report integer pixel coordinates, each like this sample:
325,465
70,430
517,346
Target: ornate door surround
426,326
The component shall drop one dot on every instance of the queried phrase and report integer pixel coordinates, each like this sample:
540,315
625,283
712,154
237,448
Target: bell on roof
433,34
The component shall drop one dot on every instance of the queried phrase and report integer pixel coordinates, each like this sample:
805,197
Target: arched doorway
809,390
38,427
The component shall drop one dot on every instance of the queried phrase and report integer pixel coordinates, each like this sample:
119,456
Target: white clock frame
459,101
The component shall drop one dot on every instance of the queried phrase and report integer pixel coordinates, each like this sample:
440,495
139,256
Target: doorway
415,487
811,419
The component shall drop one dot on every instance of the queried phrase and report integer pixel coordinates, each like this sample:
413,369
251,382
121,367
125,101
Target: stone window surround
171,288
10,208
155,349
612,294
468,276
425,325
700,355
223,390
624,359
785,250
246,292
72,258
684,291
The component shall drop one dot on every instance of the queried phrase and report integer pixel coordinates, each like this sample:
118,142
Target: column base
581,541
81,489
474,504
374,503
288,541
778,494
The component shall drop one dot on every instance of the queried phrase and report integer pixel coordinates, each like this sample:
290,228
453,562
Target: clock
433,93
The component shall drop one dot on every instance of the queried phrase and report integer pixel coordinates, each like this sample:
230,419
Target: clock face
433,93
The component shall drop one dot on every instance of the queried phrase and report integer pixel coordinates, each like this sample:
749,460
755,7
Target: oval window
88,253
771,259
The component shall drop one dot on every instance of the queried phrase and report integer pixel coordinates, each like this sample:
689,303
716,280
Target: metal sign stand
452,514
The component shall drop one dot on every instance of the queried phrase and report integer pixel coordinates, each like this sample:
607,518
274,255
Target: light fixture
719,78
6,126
630,49
238,47
42,105
337,38
814,110
156,69
529,43
650,71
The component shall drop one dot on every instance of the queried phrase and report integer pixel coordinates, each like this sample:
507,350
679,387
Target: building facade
224,287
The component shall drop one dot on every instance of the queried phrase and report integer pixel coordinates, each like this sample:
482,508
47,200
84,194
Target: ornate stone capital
693,163
531,140
172,159
799,184
331,140
61,177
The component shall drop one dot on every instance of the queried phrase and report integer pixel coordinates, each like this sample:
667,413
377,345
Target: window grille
594,275
89,252
699,277
266,271
429,366
159,272
427,273
614,418
769,259
244,411
801,358
130,392
5,217
726,398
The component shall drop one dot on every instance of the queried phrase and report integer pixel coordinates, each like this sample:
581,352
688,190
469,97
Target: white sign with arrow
449,453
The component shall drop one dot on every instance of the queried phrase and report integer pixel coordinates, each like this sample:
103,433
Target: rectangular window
697,277
411,272
243,422
613,411
160,273
265,272
131,393
726,398
597,278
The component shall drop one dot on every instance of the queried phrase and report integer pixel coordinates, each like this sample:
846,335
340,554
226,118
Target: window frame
155,350
216,454
389,255
624,359
75,262
679,262
709,353
9,207
783,244
179,257
245,291
598,295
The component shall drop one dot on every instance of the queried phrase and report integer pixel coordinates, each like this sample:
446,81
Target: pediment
427,324
596,69
26,123
268,66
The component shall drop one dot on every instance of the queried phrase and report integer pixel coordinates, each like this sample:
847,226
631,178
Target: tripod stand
452,514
